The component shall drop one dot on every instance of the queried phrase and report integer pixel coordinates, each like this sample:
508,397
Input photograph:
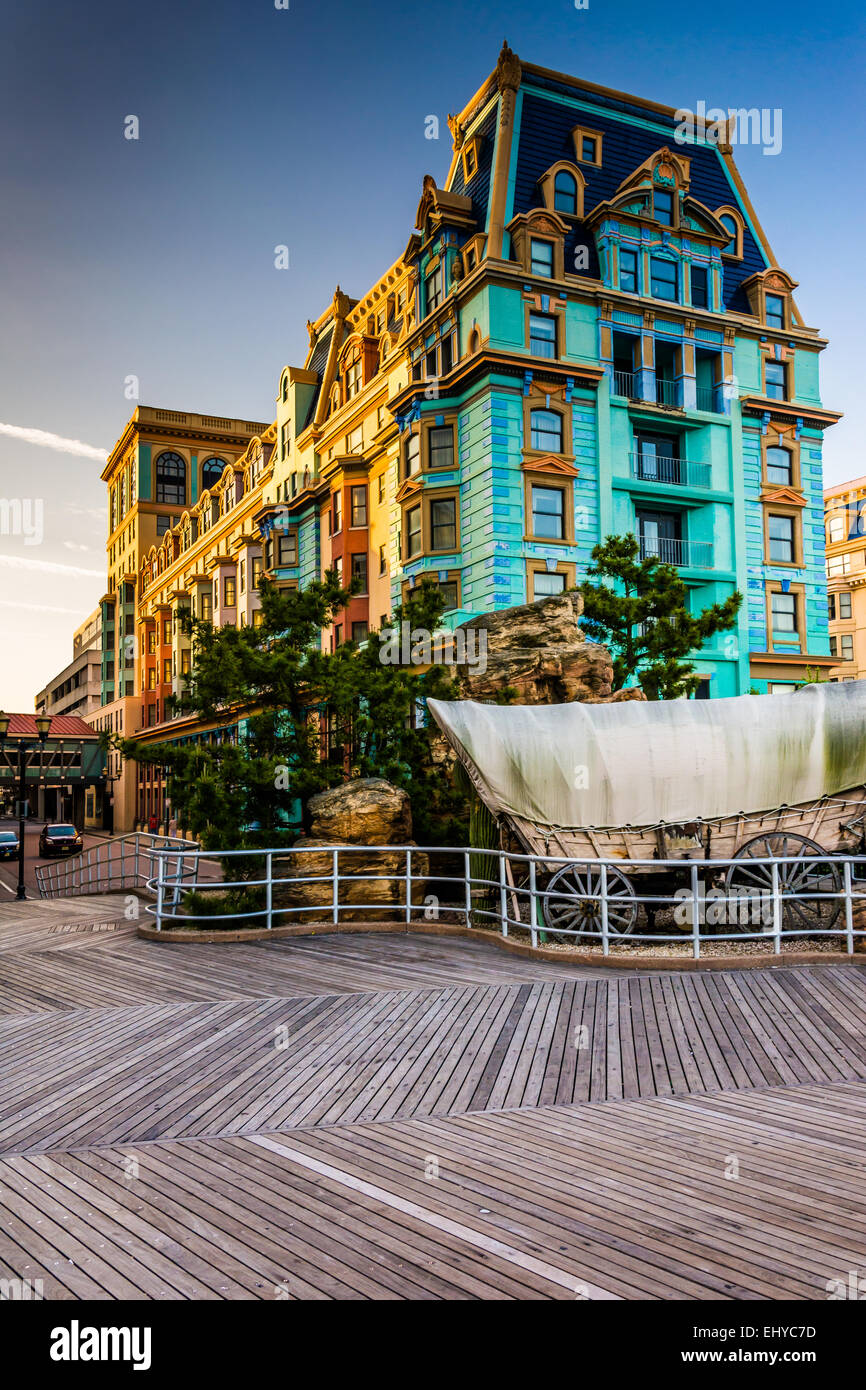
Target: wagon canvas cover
641,763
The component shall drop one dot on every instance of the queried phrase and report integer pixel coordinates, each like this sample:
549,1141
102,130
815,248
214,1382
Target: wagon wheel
811,872
572,901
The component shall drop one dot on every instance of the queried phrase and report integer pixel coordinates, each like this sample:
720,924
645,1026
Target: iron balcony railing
673,551
707,398
602,904
668,392
655,468
624,385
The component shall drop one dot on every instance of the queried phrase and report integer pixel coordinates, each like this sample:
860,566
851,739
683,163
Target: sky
306,127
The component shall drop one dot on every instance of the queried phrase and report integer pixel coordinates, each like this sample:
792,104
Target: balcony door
660,536
656,458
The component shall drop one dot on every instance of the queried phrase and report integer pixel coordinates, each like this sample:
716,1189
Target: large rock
367,811
539,651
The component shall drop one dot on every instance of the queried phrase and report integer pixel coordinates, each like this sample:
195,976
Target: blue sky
306,127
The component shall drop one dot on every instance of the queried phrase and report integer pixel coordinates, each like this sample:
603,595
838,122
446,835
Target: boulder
388,894
539,651
366,811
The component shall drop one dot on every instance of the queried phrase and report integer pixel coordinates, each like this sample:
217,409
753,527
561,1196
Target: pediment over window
662,168
410,486
789,496
550,463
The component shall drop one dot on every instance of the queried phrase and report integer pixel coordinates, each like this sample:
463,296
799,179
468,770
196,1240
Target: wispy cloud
46,440
38,608
18,562
73,545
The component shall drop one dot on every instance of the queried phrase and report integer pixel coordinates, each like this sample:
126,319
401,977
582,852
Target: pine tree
639,610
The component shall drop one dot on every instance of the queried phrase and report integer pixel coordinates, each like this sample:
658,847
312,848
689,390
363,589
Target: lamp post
43,724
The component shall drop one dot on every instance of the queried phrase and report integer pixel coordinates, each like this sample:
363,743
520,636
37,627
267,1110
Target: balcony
707,398
668,392
624,384
696,555
649,468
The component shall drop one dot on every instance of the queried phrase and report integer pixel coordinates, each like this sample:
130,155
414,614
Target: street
9,867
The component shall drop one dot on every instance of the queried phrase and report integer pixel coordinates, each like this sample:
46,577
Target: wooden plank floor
392,1116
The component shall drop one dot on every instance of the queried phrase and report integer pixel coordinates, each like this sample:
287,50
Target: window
413,454
779,466
541,258
151,679
184,662
166,632
413,532
440,447
545,585
663,207
353,378
781,536
337,512
359,632
229,592
843,646
285,435
151,641
171,479
565,193
628,271
433,290
784,611
211,471
774,311
255,572
548,512
206,608
383,560
381,487
839,564
287,552
443,523
836,529
163,524
700,287
775,380
242,576
844,606
663,278
730,225
588,149
546,431
359,505
166,671
285,391
338,568
355,441
359,571
542,335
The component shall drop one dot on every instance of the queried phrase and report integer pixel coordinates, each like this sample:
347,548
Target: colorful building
586,334
845,517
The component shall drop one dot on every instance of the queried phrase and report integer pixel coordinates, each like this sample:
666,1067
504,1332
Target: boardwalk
416,1117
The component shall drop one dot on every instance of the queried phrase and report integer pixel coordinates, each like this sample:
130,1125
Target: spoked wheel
572,901
810,871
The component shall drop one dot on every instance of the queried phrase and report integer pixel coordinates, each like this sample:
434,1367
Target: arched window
286,387
779,466
211,472
545,428
730,225
565,193
171,479
836,528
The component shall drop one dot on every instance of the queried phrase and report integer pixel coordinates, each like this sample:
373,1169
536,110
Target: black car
60,839
8,844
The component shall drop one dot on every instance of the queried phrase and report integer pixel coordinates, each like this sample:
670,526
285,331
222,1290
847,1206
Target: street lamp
43,725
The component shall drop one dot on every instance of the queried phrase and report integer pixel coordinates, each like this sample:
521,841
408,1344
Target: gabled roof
62,726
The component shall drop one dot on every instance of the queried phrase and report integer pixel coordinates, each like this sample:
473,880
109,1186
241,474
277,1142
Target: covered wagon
751,778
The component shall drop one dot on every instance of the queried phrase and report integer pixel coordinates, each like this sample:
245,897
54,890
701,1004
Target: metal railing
708,398
655,468
671,551
668,392
624,384
126,861
604,903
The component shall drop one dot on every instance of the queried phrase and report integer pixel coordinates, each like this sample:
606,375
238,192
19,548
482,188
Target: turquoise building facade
602,328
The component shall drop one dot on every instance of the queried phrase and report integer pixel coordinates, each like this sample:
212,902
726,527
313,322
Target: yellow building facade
845,534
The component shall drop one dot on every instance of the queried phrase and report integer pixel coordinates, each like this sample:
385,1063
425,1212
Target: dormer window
663,207
469,155
733,224
285,391
541,258
565,193
353,379
774,311
587,146
433,290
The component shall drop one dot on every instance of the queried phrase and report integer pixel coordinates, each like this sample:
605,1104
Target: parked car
59,839
8,844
